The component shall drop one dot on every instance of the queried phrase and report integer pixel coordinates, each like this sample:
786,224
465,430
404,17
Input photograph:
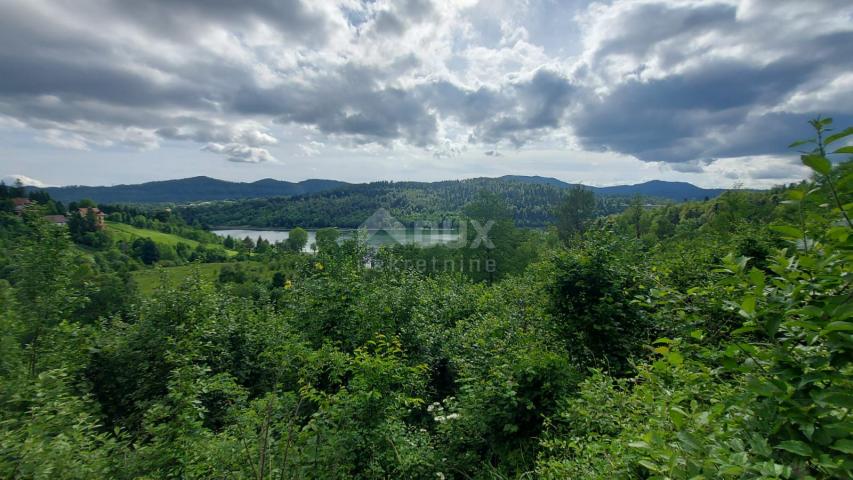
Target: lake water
374,238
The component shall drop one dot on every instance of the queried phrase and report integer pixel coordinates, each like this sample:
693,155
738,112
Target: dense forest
532,204
190,190
698,340
205,189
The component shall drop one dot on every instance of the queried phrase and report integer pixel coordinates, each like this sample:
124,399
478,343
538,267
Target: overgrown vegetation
696,340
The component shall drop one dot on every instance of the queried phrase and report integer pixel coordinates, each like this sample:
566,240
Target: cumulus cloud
682,82
25,180
239,153
690,81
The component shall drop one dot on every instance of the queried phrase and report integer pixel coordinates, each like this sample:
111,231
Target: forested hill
676,191
200,189
532,204
190,190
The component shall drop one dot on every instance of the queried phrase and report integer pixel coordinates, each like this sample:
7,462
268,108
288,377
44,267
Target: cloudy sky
121,91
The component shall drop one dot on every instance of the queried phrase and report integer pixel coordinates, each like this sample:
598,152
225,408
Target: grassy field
149,279
129,233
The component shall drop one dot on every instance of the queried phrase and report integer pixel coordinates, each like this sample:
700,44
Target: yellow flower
288,284
318,266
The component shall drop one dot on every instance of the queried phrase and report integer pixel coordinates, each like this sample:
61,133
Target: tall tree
574,212
42,281
297,239
327,238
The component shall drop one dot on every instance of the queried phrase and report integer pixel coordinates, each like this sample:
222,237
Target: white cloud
240,153
25,180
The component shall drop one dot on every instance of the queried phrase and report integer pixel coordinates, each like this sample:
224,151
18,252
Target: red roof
21,201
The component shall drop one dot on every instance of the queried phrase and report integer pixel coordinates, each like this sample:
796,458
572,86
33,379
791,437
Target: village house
21,203
99,216
58,220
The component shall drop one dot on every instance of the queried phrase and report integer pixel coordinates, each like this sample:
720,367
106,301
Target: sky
102,92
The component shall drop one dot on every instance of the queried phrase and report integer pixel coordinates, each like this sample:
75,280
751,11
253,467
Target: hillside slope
201,189
193,189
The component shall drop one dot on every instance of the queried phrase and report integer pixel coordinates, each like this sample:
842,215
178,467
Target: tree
327,238
634,216
296,240
41,275
146,250
278,280
574,212
229,242
247,244
80,225
592,294
492,240
261,245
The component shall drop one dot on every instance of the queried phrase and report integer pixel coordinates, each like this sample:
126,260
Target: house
58,220
21,203
99,216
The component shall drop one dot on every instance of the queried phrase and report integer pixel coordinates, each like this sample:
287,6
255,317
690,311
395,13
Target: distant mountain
193,189
200,189
537,180
677,191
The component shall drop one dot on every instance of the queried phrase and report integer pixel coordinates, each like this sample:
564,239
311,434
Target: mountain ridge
203,188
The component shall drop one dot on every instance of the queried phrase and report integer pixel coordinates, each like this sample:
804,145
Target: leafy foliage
699,340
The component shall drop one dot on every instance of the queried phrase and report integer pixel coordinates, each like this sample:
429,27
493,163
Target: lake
375,237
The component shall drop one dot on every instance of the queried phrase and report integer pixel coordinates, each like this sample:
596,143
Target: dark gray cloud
514,113
682,82
182,19
686,102
650,24
349,101
670,119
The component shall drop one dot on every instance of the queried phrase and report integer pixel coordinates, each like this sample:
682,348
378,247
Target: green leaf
760,445
675,358
845,446
800,142
763,388
796,447
650,466
677,415
818,163
838,136
837,327
797,194
788,231
748,305
731,470
833,398
844,150
689,441
757,278
745,329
